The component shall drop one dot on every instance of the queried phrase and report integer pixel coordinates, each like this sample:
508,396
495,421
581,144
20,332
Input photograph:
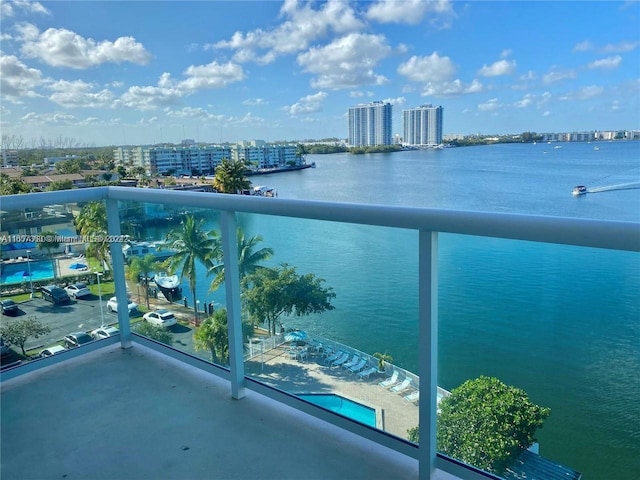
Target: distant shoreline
267,171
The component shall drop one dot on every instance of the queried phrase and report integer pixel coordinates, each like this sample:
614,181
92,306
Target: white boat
166,281
140,249
579,190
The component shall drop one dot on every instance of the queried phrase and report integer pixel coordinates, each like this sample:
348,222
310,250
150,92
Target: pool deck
394,414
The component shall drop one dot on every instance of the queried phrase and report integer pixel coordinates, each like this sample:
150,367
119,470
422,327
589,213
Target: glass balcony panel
560,323
169,312
327,358
49,282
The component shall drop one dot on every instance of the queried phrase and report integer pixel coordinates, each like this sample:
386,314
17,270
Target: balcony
129,407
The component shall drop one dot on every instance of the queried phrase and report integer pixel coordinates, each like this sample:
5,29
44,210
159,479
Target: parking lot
83,315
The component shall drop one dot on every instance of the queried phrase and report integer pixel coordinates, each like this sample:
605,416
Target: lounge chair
406,383
413,397
390,381
333,357
367,372
360,365
341,360
354,361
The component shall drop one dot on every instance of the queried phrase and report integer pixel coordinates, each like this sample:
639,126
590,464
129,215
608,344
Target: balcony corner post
428,351
228,226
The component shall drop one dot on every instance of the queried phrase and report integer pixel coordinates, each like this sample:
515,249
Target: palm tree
248,259
192,245
49,242
92,223
301,153
213,335
230,177
142,267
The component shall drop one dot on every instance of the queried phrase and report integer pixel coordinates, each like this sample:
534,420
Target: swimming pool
19,272
345,407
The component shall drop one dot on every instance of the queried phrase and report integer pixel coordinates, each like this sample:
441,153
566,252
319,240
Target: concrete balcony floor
138,414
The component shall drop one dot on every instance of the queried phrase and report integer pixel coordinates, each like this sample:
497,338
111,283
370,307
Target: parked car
160,318
54,294
4,348
9,307
112,305
50,351
76,290
76,339
104,332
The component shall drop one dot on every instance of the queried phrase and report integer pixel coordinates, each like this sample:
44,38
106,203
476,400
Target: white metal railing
428,222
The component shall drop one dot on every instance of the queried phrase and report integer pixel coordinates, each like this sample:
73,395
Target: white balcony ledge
139,414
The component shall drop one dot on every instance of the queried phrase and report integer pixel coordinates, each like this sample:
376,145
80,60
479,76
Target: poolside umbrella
77,266
296,336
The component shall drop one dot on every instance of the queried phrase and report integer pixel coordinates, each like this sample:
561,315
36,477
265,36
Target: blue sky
122,72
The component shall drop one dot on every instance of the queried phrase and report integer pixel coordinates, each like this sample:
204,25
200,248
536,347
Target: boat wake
609,188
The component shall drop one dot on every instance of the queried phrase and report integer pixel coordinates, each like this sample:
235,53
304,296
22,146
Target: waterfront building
370,124
423,125
193,159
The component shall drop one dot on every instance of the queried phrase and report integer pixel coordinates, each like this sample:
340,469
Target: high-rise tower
370,124
423,125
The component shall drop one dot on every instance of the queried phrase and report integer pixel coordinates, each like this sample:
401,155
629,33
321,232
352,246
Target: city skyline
117,73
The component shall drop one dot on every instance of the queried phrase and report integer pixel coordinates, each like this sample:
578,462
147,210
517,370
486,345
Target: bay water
560,322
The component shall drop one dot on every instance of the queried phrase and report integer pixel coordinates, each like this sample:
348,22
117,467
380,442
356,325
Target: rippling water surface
563,323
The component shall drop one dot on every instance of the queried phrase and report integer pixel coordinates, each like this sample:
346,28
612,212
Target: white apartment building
370,124
423,125
203,159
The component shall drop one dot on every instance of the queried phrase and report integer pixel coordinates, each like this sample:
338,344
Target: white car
112,305
48,352
161,318
77,290
104,332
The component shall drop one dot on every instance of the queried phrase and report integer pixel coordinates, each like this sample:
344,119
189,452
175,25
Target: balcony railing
426,223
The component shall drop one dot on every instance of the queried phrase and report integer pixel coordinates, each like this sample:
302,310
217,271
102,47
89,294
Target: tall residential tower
423,125
370,124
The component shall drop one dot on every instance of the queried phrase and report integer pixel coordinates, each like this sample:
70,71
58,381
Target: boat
558,147
164,280
169,286
579,190
140,249
596,148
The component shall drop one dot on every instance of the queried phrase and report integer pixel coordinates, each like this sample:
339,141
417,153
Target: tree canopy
213,335
269,293
17,332
230,177
486,423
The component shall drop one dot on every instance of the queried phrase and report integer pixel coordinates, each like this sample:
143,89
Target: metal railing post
117,259
427,351
228,227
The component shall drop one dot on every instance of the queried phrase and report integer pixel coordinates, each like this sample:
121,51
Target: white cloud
583,46
621,47
558,76
406,11
585,93
18,80
49,118
360,94
255,101
609,62
395,101
10,9
456,87
347,62
191,112
78,94
433,68
525,102
492,105
308,104
212,75
501,67
149,98
303,25
64,48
